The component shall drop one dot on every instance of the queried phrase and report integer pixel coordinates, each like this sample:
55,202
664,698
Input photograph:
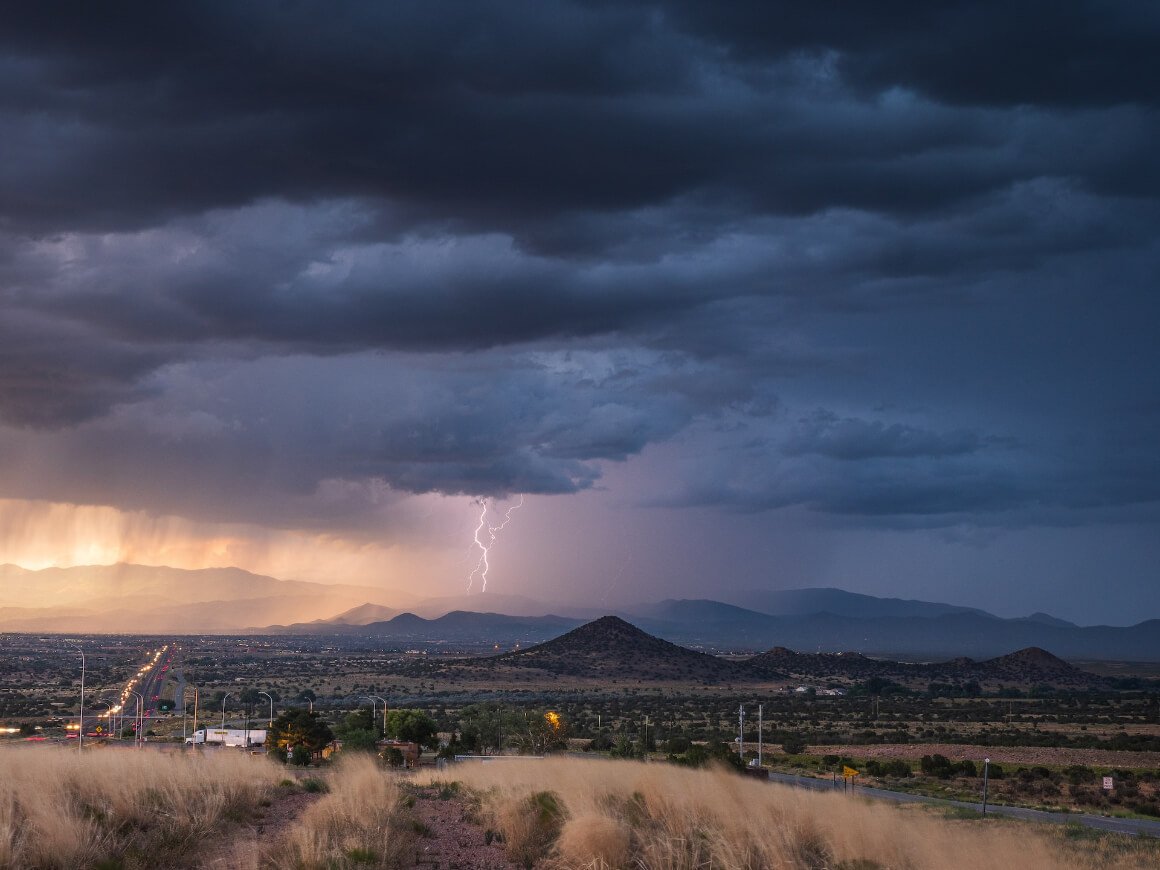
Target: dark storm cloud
826,434
1024,52
53,372
506,115
483,248
279,432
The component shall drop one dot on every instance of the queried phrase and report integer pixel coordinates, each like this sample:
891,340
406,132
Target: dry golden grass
356,824
608,814
120,808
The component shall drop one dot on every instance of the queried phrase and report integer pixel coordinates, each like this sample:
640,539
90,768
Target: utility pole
760,728
195,710
741,733
986,771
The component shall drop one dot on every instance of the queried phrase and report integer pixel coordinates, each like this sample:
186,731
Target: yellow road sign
848,771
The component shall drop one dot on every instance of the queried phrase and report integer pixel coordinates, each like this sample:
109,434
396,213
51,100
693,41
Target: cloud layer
286,264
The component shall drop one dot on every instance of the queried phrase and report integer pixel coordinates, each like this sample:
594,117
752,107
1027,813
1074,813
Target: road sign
848,771
1108,784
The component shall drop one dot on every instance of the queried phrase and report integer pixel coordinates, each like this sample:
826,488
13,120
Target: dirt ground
450,836
453,838
1026,755
241,848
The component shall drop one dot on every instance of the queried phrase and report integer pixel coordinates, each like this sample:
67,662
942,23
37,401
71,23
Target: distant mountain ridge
718,626
141,599
804,602
611,649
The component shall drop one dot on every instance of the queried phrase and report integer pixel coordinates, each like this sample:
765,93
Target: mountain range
719,627
152,600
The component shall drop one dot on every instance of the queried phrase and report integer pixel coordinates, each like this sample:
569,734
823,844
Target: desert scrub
359,822
652,816
530,825
120,808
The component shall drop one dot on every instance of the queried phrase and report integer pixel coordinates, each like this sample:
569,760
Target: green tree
488,727
300,728
541,732
362,719
794,745
359,740
414,726
714,751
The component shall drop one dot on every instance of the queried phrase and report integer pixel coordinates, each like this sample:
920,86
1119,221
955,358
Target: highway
147,682
1144,827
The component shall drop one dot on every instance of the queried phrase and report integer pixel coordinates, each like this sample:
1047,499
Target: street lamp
270,726
81,716
370,698
986,770
226,695
384,700
137,719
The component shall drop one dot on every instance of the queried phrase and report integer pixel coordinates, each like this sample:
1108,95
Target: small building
409,751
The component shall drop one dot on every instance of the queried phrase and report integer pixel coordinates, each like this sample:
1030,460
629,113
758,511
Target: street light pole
226,695
81,712
986,771
370,698
384,700
270,725
137,720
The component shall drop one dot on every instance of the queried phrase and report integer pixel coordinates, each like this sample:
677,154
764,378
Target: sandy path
245,844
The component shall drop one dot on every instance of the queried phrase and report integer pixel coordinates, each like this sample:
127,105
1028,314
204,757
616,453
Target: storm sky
737,295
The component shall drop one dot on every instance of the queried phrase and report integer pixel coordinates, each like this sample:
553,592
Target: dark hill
609,647
1031,663
780,661
1025,667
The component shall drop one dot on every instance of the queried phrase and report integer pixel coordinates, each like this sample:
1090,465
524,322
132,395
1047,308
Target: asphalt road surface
1103,823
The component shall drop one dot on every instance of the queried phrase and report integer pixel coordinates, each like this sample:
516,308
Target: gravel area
453,838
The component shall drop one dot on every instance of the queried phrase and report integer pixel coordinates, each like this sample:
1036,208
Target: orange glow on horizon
36,535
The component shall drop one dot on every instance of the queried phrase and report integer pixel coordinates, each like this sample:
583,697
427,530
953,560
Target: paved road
1103,823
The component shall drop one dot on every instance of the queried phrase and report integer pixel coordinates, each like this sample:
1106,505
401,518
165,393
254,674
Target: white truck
228,736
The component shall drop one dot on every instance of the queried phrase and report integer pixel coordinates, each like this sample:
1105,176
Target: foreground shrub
654,816
119,807
354,824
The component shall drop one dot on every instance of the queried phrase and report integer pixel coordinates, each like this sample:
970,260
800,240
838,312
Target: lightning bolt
485,535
